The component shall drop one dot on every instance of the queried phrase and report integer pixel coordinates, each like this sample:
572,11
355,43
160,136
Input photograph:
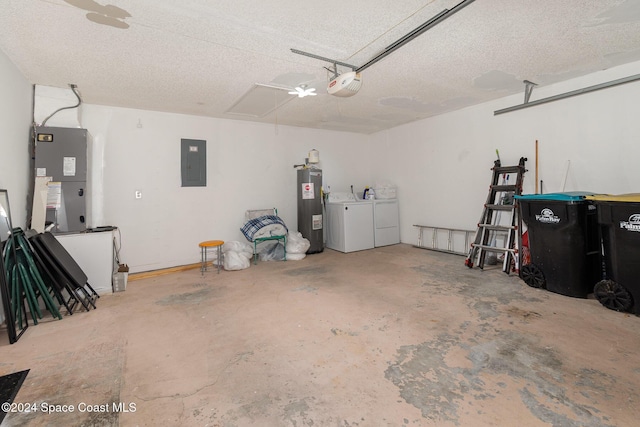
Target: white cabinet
94,254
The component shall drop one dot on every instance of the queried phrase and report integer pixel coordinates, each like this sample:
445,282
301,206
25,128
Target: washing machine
386,222
349,223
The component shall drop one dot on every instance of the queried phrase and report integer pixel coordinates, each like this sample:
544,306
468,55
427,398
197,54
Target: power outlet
138,194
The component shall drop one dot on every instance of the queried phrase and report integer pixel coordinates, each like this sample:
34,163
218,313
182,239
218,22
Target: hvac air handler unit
61,157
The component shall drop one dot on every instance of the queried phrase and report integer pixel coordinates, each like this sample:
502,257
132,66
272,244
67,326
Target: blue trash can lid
570,196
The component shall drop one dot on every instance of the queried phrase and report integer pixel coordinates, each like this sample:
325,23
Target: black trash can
619,219
564,243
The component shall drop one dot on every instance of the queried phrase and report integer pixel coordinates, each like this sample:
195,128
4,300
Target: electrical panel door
193,162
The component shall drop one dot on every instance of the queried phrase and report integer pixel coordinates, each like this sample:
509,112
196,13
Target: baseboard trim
164,271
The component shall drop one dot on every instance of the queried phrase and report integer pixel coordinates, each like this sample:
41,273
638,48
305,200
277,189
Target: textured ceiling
202,57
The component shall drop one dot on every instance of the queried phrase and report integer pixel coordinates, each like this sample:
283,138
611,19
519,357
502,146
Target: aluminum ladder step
489,248
497,227
501,188
506,169
500,207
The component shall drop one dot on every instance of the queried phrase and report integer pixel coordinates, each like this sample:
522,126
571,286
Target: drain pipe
354,194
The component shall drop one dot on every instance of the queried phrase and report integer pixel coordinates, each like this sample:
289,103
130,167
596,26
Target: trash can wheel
613,295
532,276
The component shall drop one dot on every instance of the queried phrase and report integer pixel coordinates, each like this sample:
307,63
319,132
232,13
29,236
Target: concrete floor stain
469,284
196,297
548,411
307,271
596,383
297,413
427,382
306,288
338,332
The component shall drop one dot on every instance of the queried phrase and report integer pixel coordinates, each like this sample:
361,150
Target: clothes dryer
386,222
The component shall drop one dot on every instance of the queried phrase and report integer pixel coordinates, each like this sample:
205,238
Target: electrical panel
193,163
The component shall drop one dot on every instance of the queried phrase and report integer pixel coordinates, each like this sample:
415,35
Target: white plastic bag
242,248
385,190
235,261
271,252
295,257
296,244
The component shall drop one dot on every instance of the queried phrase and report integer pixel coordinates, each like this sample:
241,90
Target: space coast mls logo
547,217
633,224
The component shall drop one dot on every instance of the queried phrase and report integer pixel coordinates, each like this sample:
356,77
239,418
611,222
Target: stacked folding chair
64,272
25,281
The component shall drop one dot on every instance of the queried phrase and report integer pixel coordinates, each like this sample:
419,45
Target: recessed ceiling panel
260,100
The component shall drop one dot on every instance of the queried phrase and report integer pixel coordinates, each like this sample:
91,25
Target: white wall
442,165
15,124
249,166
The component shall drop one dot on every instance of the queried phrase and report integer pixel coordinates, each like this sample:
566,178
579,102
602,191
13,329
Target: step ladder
447,240
500,224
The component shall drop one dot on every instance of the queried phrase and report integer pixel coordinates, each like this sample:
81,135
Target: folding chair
57,279
256,220
66,267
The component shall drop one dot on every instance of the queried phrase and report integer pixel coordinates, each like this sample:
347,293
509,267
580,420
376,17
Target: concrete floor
396,336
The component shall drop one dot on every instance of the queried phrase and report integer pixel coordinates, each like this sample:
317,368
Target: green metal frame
264,239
